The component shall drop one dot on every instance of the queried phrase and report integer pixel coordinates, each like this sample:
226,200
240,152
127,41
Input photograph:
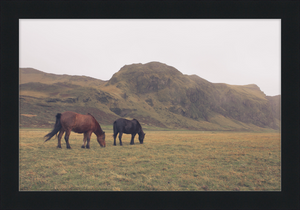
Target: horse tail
56,128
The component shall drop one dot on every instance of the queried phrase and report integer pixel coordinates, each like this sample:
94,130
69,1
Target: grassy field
167,161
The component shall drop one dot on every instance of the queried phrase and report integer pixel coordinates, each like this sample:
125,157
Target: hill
154,93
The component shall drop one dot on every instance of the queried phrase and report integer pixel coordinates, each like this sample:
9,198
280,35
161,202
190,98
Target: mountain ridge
155,93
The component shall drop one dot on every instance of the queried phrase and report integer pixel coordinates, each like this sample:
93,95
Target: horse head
141,137
101,139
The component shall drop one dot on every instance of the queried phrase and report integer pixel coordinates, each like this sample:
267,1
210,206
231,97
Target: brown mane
99,129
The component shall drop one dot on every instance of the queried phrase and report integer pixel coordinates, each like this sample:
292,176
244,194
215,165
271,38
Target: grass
167,161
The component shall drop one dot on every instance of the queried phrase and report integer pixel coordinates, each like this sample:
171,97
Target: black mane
139,125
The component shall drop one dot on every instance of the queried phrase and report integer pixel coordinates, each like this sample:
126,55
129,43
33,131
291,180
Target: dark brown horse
132,127
72,121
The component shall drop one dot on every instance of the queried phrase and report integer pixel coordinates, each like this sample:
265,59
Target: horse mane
137,122
91,115
97,123
141,129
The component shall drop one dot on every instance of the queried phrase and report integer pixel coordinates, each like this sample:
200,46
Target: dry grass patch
29,115
168,160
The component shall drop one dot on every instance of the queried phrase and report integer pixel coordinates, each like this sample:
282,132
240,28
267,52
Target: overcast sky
237,52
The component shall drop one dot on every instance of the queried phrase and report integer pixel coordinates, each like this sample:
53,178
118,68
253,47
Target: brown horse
72,121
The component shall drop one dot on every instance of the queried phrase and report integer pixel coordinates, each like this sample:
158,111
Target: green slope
154,93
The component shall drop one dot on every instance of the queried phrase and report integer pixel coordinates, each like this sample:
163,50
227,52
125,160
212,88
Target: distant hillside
154,93
32,75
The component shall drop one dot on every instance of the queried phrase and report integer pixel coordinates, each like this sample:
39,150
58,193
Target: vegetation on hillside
154,93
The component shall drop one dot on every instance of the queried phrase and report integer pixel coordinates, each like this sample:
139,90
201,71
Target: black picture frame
12,11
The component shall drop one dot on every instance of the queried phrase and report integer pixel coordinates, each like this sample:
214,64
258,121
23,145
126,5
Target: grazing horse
72,121
129,127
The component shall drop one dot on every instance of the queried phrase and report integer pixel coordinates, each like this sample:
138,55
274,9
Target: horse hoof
58,147
87,147
82,146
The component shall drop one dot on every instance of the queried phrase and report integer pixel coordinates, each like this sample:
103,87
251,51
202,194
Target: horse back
77,122
126,126
68,119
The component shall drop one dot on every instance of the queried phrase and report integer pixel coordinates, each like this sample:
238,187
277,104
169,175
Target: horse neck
140,131
98,130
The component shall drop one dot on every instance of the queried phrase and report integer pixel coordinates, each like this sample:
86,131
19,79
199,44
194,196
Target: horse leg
115,136
61,132
67,138
84,140
132,138
120,138
88,139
